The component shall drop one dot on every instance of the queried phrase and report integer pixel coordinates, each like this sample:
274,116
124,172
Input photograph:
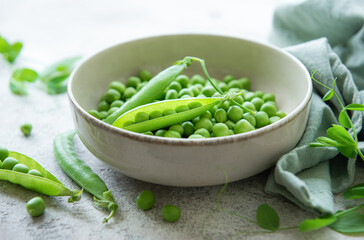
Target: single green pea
281,114
35,172
195,136
204,123
208,91
239,99
235,113
170,213
172,134
262,119
223,86
176,86
26,129
145,75
198,79
94,113
188,128
185,96
269,97
245,82
258,102
103,106
220,130
183,80
195,120
171,94
4,153
20,168
167,112
195,90
133,82
149,133
155,114
249,105
231,132
259,93
273,119
269,108
243,126
9,163
228,78
207,115
141,85
203,132
193,105
160,132
224,105
230,124
220,115
250,118
177,127
249,96
116,103
141,117
118,86
185,91
145,200
35,206
235,84
182,108
103,115
129,92
112,110
112,95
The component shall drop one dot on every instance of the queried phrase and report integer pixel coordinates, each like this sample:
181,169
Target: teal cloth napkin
327,36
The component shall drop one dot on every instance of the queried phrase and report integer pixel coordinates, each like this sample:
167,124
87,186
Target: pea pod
47,185
152,90
161,122
82,174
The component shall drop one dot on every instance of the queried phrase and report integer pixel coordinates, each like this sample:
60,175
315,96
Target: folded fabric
309,176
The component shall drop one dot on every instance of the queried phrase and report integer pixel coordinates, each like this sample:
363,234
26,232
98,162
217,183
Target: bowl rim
186,141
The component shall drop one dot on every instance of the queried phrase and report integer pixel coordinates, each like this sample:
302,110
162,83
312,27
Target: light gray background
52,30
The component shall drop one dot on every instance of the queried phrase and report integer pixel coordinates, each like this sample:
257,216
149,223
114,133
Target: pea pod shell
151,91
32,164
168,120
35,183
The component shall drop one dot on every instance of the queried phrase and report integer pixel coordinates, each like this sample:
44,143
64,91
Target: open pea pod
161,122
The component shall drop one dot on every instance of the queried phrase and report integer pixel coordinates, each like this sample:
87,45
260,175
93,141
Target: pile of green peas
221,120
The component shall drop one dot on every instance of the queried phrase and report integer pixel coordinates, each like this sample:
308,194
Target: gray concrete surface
52,30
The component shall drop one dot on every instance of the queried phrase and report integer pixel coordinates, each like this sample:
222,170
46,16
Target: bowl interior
269,69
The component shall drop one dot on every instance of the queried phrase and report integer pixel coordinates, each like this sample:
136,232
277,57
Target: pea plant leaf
351,222
19,78
267,217
356,191
355,107
347,145
10,51
344,119
317,223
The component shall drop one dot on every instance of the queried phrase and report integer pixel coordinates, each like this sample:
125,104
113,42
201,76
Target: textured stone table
52,30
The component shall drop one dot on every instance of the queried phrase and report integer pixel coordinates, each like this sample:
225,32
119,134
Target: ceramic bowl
192,162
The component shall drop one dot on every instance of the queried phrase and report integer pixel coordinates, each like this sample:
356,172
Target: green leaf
328,95
317,223
355,107
25,74
4,45
344,119
352,222
327,142
348,151
14,51
355,192
17,87
267,217
340,134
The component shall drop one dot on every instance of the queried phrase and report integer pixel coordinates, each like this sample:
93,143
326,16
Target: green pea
133,82
250,118
245,82
224,105
193,105
195,90
235,90
281,114
20,168
9,163
145,75
188,128
4,153
167,112
129,92
112,110
35,206
239,99
235,84
160,132
274,119
103,106
198,79
145,200
262,119
207,115
235,113
155,114
185,96
230,124
259,93
203,132
185,91
112,95
118,86
195,120
231,132
26,129
204,123
94,113
195,136
228,78
220,130
183,80
178,128
148,133
117,103
141,85
182,108
176,86
249,96
172,134
269,108
249,105
258,102
208,91
243,126
170,213
103,114
35,172
220,115
213,110
223,86
171,94
269,97
141,117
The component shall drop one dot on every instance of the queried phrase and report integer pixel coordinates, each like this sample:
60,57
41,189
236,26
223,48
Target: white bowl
192,162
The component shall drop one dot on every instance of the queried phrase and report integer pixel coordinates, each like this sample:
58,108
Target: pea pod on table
82,174
43,182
